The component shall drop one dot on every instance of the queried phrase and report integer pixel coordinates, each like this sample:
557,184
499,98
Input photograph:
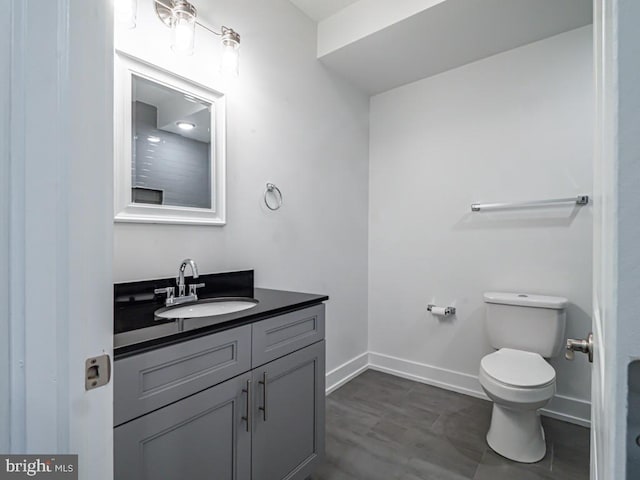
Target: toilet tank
534,323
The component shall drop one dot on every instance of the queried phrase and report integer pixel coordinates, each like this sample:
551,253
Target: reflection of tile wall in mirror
165,157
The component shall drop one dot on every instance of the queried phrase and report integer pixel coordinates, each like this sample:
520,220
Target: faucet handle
194,287
169,291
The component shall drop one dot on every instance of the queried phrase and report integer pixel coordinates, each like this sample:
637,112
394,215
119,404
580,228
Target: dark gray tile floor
381,427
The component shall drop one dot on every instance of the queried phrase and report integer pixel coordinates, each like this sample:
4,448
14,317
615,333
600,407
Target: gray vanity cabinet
243,404
288,434
202,437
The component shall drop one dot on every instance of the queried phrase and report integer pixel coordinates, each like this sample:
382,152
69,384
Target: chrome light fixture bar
182,17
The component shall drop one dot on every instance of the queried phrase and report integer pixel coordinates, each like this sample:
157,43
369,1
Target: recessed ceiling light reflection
153,139
186,125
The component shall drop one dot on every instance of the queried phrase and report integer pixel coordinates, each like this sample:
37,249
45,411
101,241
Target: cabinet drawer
151,380
278,336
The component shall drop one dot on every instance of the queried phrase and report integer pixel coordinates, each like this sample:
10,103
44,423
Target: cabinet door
288,434
203,437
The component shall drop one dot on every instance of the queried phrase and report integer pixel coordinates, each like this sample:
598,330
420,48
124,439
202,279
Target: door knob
584,346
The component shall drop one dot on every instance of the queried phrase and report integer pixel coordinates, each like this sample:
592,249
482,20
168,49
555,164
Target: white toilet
525,329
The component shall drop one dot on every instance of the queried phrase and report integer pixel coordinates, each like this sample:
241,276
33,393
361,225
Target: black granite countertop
137,329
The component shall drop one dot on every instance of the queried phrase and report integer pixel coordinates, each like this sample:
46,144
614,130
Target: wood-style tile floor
382,427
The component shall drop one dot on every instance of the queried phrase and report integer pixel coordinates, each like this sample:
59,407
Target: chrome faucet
180,278
182,296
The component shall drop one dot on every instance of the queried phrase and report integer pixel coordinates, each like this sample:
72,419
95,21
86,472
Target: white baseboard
423,373
569,409
564,408
347,371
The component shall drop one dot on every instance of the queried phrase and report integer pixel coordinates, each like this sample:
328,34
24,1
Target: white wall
363,18
515,126
292,123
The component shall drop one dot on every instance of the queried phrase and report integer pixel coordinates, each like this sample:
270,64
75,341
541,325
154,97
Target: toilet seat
517,379
518,369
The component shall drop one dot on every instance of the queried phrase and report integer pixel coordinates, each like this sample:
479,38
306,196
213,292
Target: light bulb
186,125
125,12
230,63
184,32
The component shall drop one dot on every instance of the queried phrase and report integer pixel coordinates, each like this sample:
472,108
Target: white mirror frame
125,210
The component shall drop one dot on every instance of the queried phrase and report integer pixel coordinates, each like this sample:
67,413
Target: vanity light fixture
183,27
182,17
186,125
230,53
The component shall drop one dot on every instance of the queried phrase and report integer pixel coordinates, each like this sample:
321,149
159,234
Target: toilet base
517,434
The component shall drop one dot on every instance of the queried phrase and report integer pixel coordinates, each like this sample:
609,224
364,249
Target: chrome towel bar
579,200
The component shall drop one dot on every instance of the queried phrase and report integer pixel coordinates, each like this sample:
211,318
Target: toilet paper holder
447,310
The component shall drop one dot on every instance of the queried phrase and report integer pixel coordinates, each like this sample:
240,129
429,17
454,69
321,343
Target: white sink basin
207,308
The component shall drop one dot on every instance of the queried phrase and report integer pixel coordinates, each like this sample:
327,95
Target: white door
59,221
616,326
5,121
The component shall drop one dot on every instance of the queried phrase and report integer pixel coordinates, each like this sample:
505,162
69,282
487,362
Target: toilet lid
518,368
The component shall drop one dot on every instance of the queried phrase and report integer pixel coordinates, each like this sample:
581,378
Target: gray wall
290,122
177,165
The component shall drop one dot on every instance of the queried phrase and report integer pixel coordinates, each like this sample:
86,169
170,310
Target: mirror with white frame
170,152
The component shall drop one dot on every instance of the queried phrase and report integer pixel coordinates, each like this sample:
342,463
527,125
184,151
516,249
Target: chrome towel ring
274,192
